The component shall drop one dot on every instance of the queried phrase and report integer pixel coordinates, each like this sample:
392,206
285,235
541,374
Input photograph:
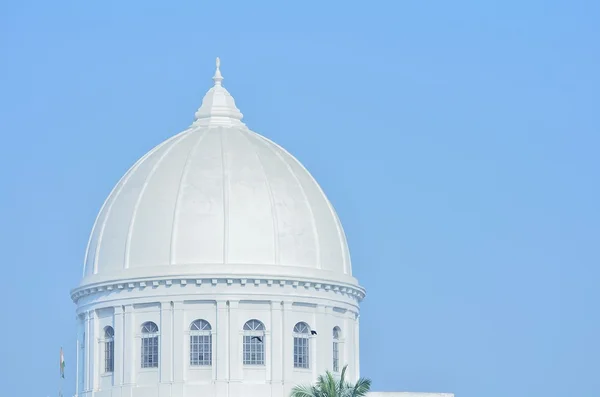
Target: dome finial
218,106
218,78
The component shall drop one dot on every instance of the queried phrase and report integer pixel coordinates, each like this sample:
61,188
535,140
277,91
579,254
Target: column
87,352
275,359
80,374
95,356
349,336
221,359
287,342
129,343
165,353
92,349
275,345
119,339
356,347
343,341
166,341
321,346
179,341
235,351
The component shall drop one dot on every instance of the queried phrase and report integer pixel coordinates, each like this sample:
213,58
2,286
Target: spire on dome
218,106
218,78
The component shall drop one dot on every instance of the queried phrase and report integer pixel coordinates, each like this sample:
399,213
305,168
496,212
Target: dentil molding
353,292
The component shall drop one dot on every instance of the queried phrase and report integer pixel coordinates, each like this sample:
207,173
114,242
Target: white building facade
216,267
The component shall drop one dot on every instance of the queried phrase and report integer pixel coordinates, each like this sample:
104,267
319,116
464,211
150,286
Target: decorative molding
354,292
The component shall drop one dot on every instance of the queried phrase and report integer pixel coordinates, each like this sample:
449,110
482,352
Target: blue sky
458,141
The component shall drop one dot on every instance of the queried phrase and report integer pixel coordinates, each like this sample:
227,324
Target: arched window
254,343
336,348
200,343
109,349
149,345
301,345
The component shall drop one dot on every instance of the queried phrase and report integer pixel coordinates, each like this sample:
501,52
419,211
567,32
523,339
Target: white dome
217,200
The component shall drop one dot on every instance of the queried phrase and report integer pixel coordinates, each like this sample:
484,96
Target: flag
62,363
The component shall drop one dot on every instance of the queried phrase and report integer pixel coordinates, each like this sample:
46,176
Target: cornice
354,292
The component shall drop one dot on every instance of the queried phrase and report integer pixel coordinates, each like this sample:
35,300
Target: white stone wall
227,307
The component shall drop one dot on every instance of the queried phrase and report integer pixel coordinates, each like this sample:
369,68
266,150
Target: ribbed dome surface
217,200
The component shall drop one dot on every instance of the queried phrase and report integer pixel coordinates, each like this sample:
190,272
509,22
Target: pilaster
287,342
275,350
235,351
82,354
356,347
179,348
344,356
129,340
86,359
165,353
118,343
94,356
315,342
322,343
222,348
80,371
91,349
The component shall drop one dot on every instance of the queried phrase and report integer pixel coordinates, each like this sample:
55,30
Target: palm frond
305,391
342,381
361,387
328,386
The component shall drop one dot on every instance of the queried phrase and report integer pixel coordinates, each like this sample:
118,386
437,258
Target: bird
313,332
258,338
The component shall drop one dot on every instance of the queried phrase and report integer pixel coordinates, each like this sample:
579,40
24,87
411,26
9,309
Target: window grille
109,349
150,345
336,349
254,343
301,346
200,343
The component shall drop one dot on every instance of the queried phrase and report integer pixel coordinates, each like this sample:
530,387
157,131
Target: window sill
151,369
302,369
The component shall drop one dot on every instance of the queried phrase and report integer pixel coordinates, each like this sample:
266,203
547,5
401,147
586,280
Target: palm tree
328,386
